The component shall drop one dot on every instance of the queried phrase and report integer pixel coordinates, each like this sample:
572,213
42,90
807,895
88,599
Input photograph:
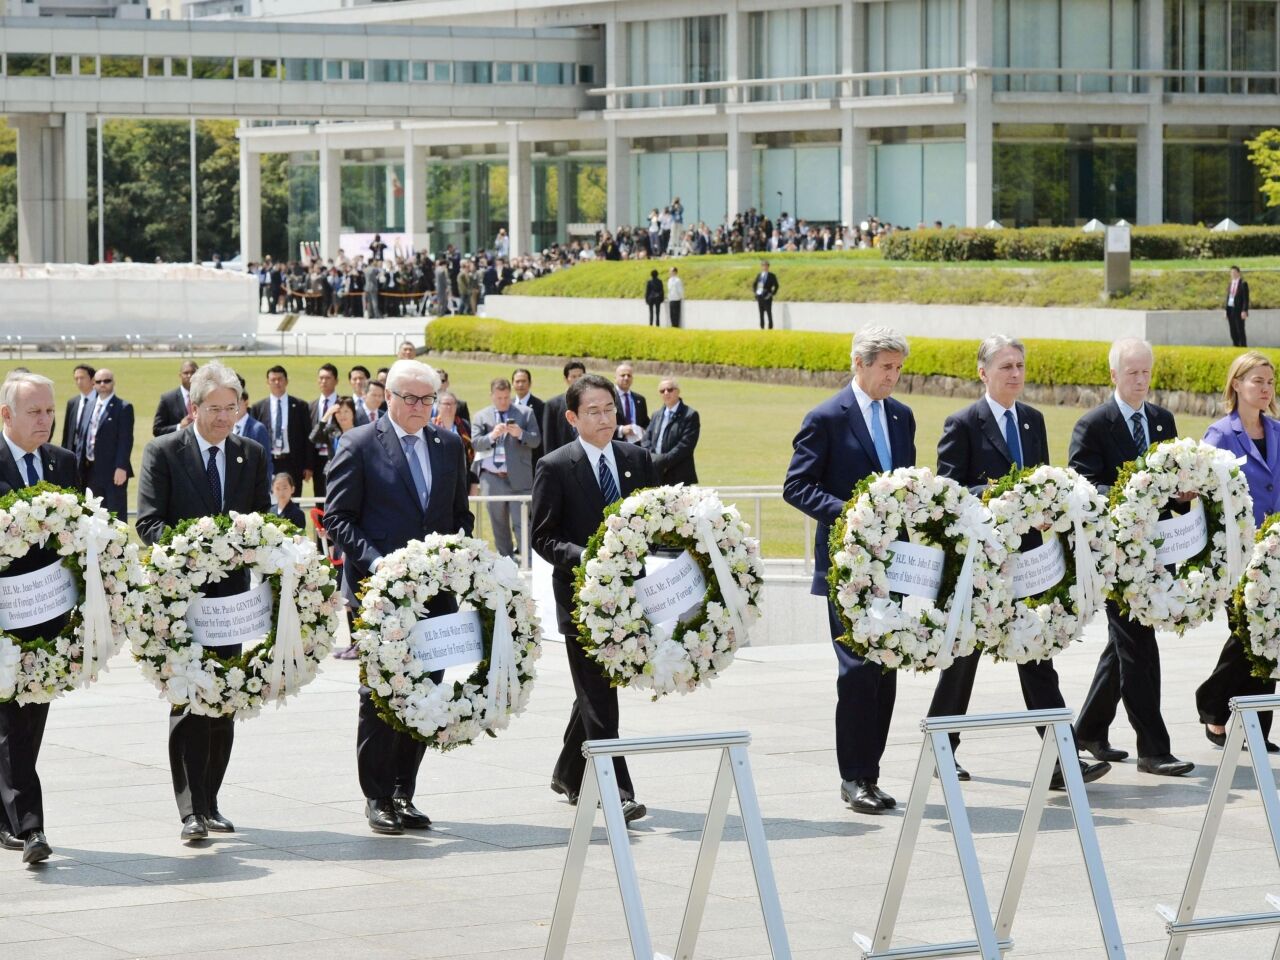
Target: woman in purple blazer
1246,431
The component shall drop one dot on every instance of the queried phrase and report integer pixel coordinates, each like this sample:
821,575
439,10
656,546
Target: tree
1264,153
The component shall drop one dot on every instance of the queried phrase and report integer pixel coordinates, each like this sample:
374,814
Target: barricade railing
992,937
1245,728
600,785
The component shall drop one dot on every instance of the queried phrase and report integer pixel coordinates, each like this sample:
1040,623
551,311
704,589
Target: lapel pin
895,416
1026,426
239,459
436,439
626,473
1159,429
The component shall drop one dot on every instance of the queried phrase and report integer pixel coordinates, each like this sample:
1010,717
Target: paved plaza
305,878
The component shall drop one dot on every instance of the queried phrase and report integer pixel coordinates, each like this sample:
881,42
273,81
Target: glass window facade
466,203
1066,34
913,35
373,197
685,50
565,191
473,71
388,71
303,68
1208,35
1208,176
916,175
695,169
794,43
1064,175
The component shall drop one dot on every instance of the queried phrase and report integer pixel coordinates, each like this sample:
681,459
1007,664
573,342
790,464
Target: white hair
16,381
411,371
213,376
1126,345
870,342
993,345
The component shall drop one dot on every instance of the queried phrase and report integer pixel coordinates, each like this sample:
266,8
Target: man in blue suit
105,449
390,482
860,431
254,429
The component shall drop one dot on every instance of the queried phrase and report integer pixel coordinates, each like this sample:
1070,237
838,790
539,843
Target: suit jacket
519,452
299,416
568,508
113,444
371,507
170,412
255,431
173,486
973,451
1242,299
1262,473
770,286
641,418
1102,441
675,461
654,292
833,452
556,431
69,420
293,513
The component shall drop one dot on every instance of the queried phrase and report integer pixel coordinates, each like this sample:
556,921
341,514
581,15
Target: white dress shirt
1127,412
19,453
595,453
221,462
279,406
864,404
419,448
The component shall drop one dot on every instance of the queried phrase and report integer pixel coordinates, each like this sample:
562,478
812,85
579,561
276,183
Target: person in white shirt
675,296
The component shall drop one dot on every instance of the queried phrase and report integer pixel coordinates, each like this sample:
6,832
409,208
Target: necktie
1139,434
608,486
500,448
373,416
325,408
662,434
277,439
82,422
1011,438
215,482
415,468
92,440
32,477
879,439
626,408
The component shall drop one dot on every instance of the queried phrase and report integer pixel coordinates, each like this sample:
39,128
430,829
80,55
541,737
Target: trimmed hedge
1049,244
1049,362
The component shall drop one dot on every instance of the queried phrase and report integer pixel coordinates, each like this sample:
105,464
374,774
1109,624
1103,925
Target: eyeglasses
221,411
598,412
666,389
108,380
412,401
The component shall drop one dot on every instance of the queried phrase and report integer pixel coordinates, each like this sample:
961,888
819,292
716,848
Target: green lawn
747,428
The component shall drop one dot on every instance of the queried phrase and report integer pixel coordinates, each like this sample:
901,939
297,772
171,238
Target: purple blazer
1263,475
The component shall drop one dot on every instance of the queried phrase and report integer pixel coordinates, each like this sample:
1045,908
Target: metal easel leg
758,848
624,864
1262,773
1031,817
712,832
575,861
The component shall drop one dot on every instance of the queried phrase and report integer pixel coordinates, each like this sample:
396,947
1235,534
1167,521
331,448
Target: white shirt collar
107,399
19,453
205,445
401,433
863,398
595,453
998,411
1127,411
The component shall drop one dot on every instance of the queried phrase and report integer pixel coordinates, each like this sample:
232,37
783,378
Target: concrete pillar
564,198
853,46
415,194
1151,134
53,188
615,59
854,159
519,193
617,154
737,54
389,194
738,167
250,205
978,127
330,200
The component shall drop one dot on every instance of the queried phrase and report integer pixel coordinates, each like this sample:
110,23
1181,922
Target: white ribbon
733,599
504,676
288,657
1087,577
961,605
1237,551
96,636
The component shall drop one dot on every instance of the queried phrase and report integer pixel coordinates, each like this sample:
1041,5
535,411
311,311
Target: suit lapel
858,424
395,453
435,457
899,438
628,476
992,430
586,479
9,471
194,466
234,465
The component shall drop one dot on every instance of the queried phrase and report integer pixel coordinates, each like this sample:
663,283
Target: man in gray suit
504,436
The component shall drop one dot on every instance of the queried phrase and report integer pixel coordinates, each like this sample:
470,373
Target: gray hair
16,381
1126,345
411,371
213,376
993,345
870,342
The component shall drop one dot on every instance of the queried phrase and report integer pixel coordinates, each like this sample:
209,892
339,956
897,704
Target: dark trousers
318,485
655,314
291,464
21,733
865,694
1235,323
1231,677
674,306
1128,671
386,759
765,304
102,482
1039,682
594,717
199,752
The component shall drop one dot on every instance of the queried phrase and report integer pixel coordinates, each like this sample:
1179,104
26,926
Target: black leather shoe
566,791
383,817
36,848
1089,772
194,828
1102,750
1166,766
886,799
633,810
9,841
218,823
1217,739
411,816
861,796
1272,747
962,773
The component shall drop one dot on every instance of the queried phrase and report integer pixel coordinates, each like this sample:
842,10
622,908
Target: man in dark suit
765,287
173,412
318,453
200,471
522,396
556,429
288,423
107,446
1104,439
633,408
28,456
393,481
1237,305
979,445
860,431
572,487
672,436
252,428
78,407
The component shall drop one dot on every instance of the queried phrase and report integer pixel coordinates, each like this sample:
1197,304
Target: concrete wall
1195,327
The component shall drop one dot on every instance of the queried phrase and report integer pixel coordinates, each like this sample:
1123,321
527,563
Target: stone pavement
304,877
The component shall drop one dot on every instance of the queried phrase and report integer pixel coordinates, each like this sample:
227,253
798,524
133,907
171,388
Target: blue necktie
879,439
1011,438
32,477
608,486
415,468
1139,434
215,481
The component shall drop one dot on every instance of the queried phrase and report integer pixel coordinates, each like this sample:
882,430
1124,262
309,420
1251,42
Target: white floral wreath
1149,592
95,547
974,602
612,626
1254,611
306,606
395,600
1058,501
